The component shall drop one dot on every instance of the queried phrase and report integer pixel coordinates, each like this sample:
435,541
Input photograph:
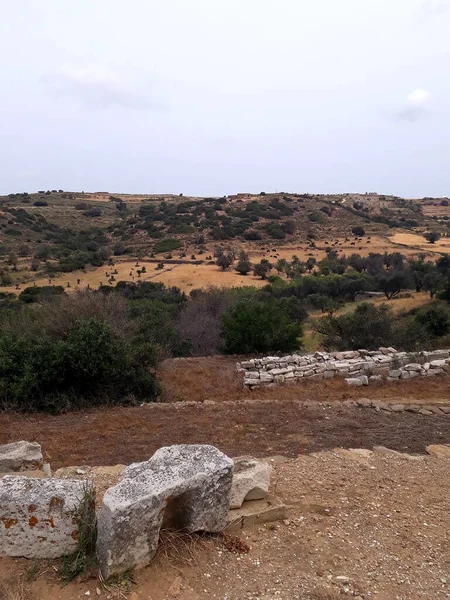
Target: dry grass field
413,243
188,276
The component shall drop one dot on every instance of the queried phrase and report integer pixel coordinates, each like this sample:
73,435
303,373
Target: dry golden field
188,276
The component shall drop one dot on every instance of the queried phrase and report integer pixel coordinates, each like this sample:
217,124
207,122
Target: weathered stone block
20,456
190,483
251,479
395,373
38,516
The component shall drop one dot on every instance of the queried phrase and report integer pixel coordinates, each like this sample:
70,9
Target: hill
46,234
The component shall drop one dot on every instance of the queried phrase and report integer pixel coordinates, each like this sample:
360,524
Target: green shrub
358,231
92,212
257,325
90,365
39,293
167,245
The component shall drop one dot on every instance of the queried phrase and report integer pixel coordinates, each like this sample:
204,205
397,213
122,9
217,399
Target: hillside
49,233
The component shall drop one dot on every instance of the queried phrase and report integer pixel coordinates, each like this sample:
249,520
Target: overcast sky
214,97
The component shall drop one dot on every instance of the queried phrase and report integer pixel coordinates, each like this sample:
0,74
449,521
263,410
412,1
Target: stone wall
358,367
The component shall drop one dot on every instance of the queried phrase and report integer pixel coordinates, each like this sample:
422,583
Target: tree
432,236
255,325
310,263
12,259
358,231
119,248
435,319
224,259
244,266
419,269
262,268
324,303
24,250
368,326
432,282
443,264
357,262
281,265
392,283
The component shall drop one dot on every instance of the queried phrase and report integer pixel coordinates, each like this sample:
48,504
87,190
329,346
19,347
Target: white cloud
415,105
431,8
99,87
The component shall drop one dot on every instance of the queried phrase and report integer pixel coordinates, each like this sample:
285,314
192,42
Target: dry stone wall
358,367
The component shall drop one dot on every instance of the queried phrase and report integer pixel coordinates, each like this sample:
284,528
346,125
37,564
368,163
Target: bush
367,327
38,293
252,235
358,231
92,212
91,365
244,266
432,236
257,325
81,206
40,203
166,245
262,268
119,249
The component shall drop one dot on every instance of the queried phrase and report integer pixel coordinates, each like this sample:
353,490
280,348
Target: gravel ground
362,525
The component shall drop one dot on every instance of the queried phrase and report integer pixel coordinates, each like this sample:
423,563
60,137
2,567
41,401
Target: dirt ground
264,422
363,526
418,242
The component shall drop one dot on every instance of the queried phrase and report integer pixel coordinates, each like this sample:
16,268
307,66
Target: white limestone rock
251,479
190,482
37,516
20,456
357,381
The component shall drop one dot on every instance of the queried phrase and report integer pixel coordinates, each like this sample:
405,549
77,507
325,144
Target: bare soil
366,527
263,422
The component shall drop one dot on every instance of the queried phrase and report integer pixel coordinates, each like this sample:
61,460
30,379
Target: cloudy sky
211,97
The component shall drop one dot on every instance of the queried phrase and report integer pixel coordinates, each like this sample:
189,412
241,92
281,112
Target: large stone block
20,456
38,516
186,487
251,479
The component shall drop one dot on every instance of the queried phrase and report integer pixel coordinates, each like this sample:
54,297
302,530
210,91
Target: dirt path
124,435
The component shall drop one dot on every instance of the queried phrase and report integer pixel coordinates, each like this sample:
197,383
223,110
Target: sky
213,97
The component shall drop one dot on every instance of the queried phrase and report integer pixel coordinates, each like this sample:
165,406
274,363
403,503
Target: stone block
38,516
20,456
374,378
251,479
395,373
357,381
413,367
187,487
438,363
353,381
256,512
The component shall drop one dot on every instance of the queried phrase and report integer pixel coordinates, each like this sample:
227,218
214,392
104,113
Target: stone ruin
193,483
188,487
358,367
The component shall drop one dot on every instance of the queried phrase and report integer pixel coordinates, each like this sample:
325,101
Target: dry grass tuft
180,547
15,589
